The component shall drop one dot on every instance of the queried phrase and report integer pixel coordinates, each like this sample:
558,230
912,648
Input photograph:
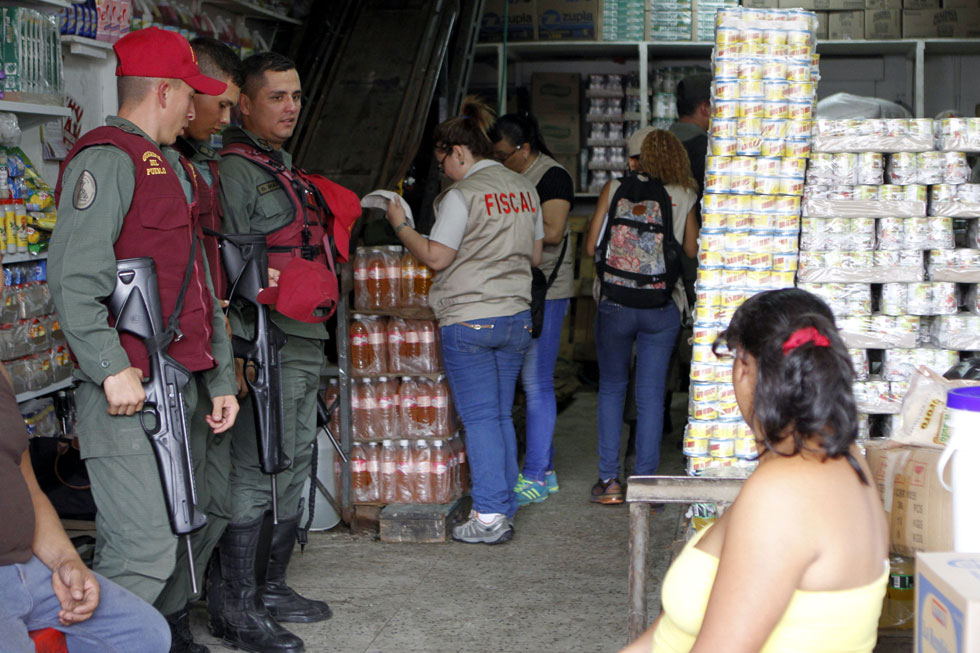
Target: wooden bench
641,491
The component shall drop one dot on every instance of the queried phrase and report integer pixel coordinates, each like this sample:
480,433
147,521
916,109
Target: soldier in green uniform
262,192
124,198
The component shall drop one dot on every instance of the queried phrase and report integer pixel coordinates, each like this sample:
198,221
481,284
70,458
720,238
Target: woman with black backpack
635,235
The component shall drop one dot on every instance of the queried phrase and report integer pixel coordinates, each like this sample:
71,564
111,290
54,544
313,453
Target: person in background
263,192
124,198
212,457
800,560
518,144
654,155
487,235
43,582
694,116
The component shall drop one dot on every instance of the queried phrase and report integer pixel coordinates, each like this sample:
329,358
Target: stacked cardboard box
555,103
574,20
623,20
520,17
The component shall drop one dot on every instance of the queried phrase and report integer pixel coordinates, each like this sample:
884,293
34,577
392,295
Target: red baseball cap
303,287
346,209
154,52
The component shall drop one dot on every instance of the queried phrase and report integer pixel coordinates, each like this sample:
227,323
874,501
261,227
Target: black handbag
539,290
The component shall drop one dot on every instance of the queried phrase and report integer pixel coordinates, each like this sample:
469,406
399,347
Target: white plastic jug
963,447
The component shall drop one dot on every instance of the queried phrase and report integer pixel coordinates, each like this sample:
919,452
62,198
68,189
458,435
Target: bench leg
639,543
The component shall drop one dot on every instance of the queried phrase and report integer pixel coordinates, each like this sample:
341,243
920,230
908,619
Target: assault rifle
135,304
246,260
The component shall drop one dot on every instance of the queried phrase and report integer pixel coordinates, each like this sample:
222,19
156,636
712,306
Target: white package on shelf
957,265
926,298
877,135
880,331
962,201
815,207
875,396
900,364
960,332
879,266
959,134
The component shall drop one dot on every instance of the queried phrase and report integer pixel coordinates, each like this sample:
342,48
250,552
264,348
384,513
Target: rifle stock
246,260
135,304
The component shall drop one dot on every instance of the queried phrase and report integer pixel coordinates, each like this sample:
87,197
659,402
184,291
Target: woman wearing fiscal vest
647,309
517,143
487,235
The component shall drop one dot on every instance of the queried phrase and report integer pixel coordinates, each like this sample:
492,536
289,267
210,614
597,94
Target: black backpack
638,262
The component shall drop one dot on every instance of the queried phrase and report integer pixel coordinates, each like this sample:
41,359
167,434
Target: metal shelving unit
84,47
54,387
31,115
915,50
252,10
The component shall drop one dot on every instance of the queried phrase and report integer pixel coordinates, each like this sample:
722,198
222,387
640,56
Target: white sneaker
473,531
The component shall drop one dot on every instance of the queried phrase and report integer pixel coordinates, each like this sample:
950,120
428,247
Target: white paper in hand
378,199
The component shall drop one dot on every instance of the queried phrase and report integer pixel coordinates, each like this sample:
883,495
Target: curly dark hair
805,392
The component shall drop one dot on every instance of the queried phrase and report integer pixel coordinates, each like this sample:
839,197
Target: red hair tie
803,336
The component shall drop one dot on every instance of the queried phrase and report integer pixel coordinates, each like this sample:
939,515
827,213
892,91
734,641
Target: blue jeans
122,622
538,379
654,330
482,365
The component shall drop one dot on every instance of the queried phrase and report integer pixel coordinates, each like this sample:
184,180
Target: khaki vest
491,274
564,285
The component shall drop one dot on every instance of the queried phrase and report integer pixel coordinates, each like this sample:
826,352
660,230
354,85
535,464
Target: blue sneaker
529,491
551,482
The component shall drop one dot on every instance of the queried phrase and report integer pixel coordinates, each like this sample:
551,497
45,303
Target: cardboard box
961,4
883,24
555,93
947,602
920,509
567,19
882,4
561,132
761,4
845,25
941,23
823,31
823,5
521,19
920,4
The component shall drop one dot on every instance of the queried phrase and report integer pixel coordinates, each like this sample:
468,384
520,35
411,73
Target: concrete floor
559,585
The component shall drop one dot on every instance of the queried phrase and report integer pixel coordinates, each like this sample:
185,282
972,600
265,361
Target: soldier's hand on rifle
240,377
224,410
124,392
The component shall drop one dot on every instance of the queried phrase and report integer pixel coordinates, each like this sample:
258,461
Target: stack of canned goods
762,104
955,201
958,134
960,332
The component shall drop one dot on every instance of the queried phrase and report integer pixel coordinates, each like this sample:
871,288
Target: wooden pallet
422,523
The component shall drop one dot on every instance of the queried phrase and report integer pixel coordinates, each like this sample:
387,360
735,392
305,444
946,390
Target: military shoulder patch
85,191
267,187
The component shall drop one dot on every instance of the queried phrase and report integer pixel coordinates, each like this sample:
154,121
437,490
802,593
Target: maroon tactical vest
305,235
160,224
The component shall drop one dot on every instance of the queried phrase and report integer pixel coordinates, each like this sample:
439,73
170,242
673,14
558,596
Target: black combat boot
238,616
283,603
181,640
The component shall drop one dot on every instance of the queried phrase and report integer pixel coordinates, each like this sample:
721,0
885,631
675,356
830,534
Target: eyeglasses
500,157
442,161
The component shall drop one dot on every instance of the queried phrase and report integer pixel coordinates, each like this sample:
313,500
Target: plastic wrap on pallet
956,265
960,332
860,267
878,135
876,396
843,298
958,134
880,331
842,208
901,364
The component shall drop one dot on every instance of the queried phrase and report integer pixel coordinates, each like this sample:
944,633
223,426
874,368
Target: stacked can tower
765,74
885,244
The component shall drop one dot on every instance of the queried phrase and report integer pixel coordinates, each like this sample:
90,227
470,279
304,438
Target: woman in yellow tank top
799,561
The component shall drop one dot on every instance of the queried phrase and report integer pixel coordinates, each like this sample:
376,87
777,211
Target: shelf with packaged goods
85,47
406,312
23,257
30,115
427,438
54,387
43,5
252,10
